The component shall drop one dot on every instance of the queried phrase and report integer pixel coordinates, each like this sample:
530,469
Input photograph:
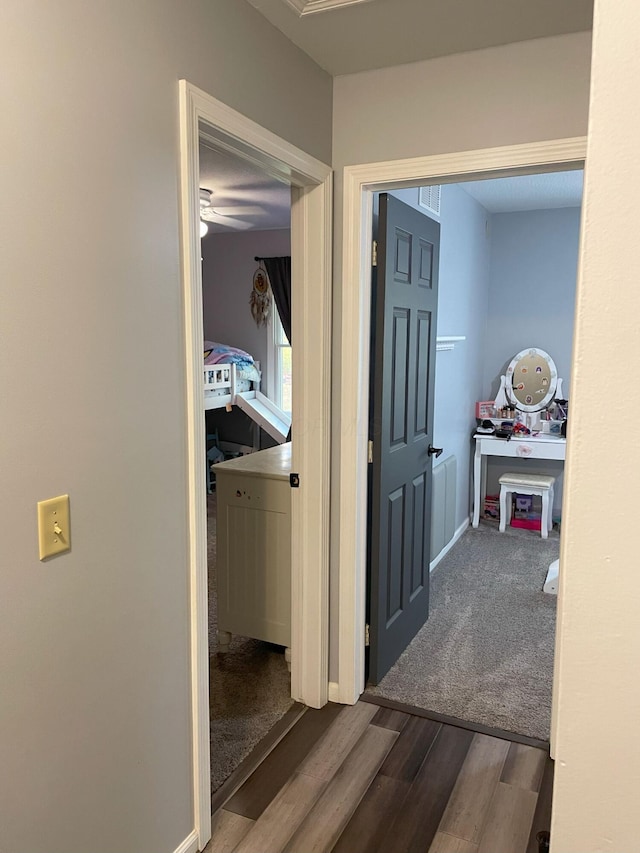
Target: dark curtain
279,272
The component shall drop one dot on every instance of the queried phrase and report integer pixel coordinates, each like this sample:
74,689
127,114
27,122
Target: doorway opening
505,278
204,118
360,183
245,213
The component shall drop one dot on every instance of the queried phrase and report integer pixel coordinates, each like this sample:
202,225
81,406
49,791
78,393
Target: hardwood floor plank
324,824
227,830
508,823
330,751
542,816
389,719
416,824
256,756
379,806
252,798
444,843
524,767
383,780
283,815
409,751
467,808
453,721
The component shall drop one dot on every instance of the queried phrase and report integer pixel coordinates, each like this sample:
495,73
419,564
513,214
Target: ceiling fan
226,216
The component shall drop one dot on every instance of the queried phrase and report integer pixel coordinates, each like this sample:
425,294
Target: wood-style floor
365,778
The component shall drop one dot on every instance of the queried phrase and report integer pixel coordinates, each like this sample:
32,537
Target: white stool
527,484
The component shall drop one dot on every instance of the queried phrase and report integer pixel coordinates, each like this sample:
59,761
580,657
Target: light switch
54,532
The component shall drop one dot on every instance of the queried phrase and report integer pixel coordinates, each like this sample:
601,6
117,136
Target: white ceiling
528,192
250,199
382,33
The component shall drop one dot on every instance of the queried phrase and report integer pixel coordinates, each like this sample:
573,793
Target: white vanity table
539,446
532,387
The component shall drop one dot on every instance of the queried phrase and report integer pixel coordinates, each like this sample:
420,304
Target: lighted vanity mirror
531,380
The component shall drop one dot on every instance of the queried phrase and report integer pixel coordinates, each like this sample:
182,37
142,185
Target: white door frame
360,182
311,211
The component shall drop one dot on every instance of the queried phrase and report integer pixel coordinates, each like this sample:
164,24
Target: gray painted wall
227,279
462,310
534,265
228,266
95,741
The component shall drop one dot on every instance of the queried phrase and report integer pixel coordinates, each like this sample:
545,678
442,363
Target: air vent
429,198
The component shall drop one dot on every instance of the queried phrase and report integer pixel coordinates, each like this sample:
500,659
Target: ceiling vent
429,198
309,7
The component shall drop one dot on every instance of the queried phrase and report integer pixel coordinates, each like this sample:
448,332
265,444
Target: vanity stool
527,484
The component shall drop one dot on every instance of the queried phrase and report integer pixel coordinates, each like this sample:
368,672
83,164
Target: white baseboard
190,844
334,691
449,545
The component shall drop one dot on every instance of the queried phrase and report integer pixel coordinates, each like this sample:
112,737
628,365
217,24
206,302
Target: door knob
434,451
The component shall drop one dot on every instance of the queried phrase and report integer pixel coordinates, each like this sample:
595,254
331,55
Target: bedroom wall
534,265
516,93
228,266
463,298
227,279
95,732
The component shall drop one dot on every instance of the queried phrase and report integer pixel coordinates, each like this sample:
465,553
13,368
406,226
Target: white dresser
254,547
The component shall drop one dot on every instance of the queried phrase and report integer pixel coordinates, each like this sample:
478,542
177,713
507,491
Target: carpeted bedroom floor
486,653
250,688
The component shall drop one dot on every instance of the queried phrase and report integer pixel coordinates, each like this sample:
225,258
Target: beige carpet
250,686
486,653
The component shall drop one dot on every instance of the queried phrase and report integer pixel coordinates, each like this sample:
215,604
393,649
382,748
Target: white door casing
360,182
311,183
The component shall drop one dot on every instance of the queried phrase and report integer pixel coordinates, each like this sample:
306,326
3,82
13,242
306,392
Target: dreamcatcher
260,299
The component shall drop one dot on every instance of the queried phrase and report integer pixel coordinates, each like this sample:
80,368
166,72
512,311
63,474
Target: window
279,364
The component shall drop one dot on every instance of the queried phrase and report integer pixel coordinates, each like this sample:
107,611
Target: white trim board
360,182
334,691
202,116
189,845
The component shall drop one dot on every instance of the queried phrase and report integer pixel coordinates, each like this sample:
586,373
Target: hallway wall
95,717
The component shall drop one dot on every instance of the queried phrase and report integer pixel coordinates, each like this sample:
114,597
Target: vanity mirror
531,382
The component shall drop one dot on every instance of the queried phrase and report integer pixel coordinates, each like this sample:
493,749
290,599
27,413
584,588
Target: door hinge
374,254
370,452
366,634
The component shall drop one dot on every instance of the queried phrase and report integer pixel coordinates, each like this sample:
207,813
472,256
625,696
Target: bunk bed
232,378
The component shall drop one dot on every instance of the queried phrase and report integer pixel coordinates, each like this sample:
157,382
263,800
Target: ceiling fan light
203,229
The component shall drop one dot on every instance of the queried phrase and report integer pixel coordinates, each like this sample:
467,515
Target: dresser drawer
522,449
